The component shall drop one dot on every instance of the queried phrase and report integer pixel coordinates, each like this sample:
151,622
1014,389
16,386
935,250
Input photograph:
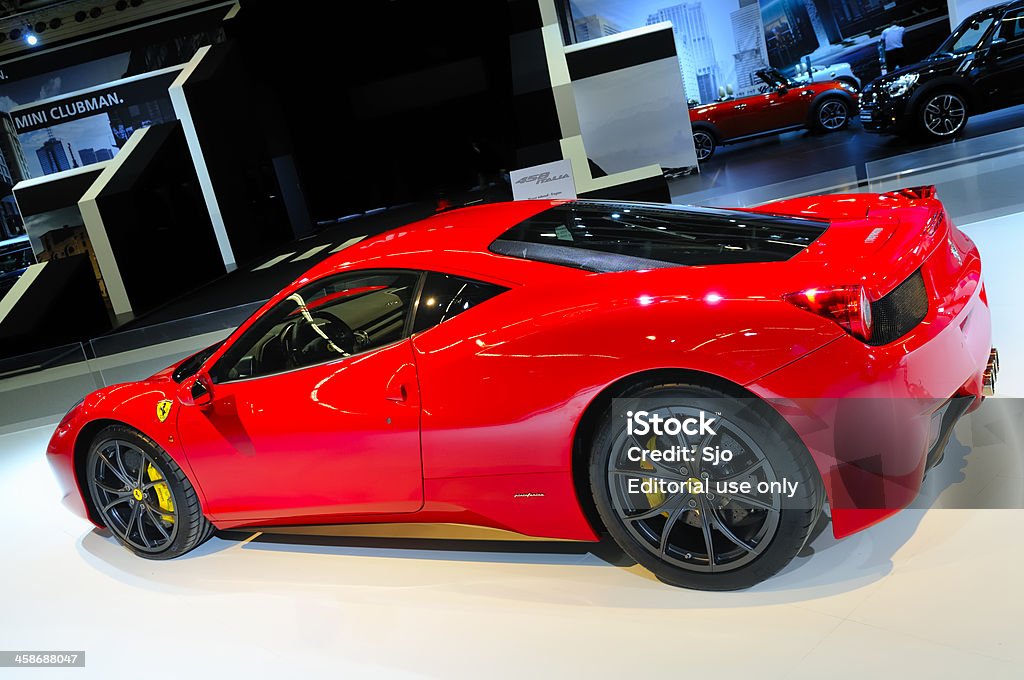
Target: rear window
607,237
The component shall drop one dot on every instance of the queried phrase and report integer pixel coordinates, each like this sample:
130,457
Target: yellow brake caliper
163,493
655,498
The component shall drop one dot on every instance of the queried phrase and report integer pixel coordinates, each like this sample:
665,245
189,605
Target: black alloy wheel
943,115
143,496
704,143
707,540
833,115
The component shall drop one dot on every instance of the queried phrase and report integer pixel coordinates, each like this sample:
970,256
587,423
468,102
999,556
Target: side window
330,319
1012,26
446,296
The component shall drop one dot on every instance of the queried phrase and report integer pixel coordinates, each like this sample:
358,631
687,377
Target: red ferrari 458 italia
695,383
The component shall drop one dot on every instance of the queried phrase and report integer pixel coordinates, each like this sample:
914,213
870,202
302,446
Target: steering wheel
302,339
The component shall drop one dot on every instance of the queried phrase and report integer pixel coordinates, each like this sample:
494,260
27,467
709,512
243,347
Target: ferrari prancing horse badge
163,409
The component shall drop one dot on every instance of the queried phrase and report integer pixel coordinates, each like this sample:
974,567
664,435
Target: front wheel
942,115
708,525
832,115
143,496
704,143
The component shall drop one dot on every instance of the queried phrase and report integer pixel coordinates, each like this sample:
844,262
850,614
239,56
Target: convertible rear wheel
709,525
833,114
142,495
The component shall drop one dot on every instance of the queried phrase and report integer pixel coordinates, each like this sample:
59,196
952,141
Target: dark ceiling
59,22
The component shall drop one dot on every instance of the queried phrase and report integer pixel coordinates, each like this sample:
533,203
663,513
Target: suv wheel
943,115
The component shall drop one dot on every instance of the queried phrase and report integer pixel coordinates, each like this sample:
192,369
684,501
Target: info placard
547,181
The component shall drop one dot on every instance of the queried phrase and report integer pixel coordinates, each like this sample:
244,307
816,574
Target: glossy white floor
929,593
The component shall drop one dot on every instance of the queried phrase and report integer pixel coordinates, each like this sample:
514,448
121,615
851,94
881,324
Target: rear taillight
848,306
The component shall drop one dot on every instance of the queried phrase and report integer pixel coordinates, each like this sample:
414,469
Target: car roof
455,241
460,242
997,9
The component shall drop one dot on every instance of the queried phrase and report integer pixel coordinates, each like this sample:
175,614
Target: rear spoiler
913,193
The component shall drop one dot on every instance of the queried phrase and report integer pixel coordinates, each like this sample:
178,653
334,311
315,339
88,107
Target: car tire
704,143
942,115
715,544
142,496
832,114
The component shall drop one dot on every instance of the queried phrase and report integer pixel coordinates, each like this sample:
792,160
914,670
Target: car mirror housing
196,391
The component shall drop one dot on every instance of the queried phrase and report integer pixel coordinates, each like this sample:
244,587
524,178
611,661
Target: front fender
958,85
130,404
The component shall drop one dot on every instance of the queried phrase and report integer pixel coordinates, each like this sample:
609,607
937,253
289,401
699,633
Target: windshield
772,77
967,36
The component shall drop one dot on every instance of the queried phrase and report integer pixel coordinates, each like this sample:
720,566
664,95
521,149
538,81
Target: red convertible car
550,367
786,105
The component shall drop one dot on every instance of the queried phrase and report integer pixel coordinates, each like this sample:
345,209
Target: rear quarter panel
504,385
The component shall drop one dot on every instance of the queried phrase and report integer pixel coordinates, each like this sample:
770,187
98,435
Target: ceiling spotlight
95,12
40,26
121,5
31,39
80,16
55,23
14,34
135,3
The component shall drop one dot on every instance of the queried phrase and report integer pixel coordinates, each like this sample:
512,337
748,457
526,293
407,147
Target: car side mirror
196,391
996,46
782,89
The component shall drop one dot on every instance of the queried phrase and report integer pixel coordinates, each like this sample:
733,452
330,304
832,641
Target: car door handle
402,387
399,395
740,106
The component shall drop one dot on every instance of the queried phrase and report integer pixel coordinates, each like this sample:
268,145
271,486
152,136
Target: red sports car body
485,412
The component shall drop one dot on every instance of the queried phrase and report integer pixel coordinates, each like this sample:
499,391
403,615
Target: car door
787,106
1001,77
738,118
314,411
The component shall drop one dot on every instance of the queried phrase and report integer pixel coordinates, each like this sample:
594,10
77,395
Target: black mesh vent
900,311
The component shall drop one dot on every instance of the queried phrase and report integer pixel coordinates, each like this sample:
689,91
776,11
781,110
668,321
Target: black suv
979,68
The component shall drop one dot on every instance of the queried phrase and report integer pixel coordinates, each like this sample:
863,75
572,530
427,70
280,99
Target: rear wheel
832,114
707,539
142,495
942,115
705,144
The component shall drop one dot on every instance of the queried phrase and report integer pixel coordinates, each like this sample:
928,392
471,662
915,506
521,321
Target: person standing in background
892,41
